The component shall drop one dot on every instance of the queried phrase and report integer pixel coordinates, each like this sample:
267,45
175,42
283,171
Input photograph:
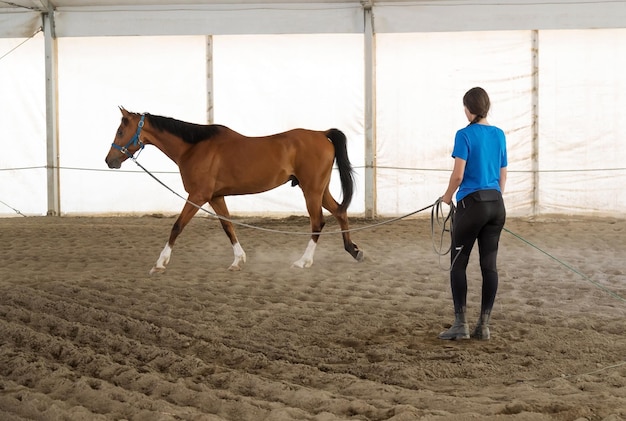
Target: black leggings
482,220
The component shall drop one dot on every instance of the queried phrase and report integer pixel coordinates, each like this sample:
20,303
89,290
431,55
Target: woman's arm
455,180
503,174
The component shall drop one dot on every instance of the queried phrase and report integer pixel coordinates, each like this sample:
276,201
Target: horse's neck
172,146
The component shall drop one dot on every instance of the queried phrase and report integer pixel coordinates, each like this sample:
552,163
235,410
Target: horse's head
127,139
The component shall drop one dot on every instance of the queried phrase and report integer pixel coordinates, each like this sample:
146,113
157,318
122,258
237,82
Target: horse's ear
124,112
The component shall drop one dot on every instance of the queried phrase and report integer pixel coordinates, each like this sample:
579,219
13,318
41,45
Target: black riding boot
459,329
481,331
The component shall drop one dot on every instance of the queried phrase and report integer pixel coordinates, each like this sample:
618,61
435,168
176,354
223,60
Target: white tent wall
158,75
255,93
268,83
581,97
421,79
22,126
582,103
272,83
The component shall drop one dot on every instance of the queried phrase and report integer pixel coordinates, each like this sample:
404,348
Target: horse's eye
120,133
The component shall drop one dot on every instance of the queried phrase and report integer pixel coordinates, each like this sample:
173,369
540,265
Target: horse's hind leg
317,223
341,215
185,216
219,206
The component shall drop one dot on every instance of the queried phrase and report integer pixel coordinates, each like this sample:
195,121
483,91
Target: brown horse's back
233,164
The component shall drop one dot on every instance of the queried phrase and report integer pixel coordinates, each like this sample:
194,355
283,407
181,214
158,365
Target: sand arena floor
87,334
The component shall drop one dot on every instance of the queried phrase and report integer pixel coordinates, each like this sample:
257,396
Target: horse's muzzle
113,163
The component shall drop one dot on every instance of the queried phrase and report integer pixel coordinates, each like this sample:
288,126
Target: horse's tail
346,172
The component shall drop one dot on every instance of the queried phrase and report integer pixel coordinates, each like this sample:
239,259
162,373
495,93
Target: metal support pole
535,121
370,111
209,79
52,127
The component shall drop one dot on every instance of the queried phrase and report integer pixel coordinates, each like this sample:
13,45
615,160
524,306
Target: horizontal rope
355,167
23,42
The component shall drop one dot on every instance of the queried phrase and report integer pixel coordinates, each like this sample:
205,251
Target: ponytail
476,119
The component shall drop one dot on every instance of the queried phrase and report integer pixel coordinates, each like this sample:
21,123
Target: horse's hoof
234,268
302,264
360,256
156,270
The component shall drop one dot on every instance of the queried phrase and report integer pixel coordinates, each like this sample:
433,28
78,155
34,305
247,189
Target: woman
479,174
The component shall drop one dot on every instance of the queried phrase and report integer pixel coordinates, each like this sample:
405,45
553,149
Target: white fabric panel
266,84
582,105
159,75
269,84
452,15
210,20
284,82
421,79
18,23
22,127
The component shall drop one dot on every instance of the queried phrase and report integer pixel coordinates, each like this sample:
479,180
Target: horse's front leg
185,216
219,206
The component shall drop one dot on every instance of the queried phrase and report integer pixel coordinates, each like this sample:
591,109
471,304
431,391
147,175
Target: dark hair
189,132
477,102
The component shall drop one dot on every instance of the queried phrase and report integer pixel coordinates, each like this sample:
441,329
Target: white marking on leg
163,260
240,257
307,258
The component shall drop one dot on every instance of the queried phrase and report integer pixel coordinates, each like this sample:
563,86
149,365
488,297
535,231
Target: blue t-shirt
483,148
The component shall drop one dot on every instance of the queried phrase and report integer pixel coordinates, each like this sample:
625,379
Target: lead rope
562,263
213,214
441,220
444,224
15,210
437,216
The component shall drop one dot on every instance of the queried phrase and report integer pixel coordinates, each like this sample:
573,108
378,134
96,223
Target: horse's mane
189,132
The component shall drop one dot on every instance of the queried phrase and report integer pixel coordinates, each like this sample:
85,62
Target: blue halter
132,142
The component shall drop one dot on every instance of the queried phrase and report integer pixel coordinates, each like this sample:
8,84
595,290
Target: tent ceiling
20,18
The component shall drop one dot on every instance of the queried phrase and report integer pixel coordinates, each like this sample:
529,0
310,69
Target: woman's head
477,103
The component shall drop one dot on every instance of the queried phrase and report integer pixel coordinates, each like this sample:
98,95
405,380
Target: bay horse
215,161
